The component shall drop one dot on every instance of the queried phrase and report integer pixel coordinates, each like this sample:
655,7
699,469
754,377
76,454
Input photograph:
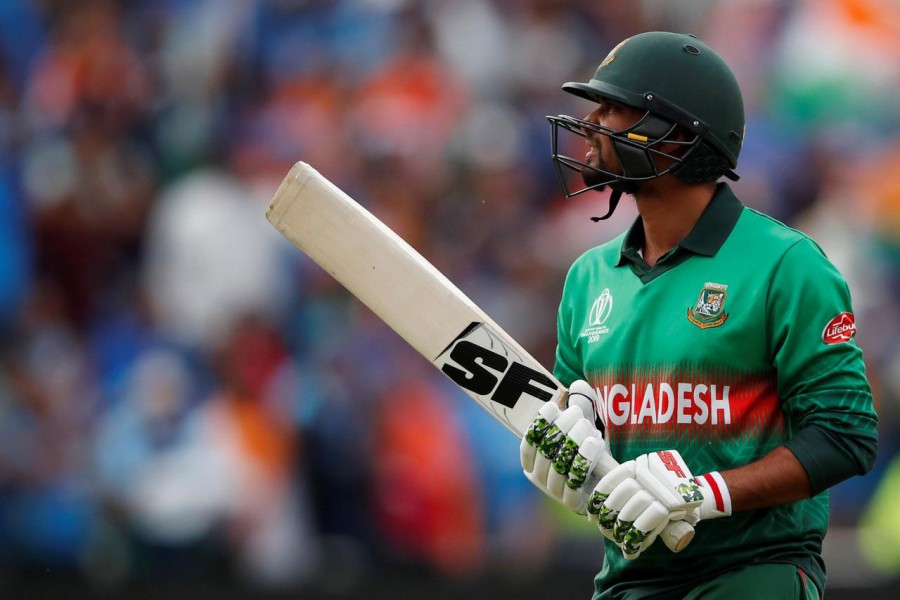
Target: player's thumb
582,395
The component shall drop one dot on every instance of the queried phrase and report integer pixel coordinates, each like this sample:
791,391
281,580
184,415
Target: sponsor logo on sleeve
709,311
840,329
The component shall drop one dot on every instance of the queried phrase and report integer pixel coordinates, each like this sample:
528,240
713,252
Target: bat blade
419,303
411,296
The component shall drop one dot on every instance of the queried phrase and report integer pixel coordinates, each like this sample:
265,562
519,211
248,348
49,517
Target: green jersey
738,340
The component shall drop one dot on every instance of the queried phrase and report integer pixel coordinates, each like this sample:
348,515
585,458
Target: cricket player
715,344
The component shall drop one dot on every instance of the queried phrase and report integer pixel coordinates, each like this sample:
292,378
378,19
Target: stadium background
190,408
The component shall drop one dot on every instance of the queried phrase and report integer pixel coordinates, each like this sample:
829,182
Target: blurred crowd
183,394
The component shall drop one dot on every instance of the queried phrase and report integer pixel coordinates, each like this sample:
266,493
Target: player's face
616,116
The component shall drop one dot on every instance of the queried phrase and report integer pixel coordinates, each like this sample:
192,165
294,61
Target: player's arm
821,376
823,387
777,478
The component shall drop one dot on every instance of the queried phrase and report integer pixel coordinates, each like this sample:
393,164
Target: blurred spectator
88,182
427,500
410,105
166,486
254,434
211,257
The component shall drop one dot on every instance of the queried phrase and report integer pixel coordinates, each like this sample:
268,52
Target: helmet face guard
634,147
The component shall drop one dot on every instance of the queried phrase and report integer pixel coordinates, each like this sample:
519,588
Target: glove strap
714,482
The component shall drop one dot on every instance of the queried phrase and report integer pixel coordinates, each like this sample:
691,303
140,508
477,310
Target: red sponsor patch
840,329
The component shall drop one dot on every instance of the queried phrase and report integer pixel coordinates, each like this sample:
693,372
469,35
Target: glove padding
561,448
634,502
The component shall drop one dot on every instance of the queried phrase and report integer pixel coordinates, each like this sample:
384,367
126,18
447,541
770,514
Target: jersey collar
709,233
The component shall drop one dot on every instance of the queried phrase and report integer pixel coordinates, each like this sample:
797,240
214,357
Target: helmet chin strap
618,188
613,203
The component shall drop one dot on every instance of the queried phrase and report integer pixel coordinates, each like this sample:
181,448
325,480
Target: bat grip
677,534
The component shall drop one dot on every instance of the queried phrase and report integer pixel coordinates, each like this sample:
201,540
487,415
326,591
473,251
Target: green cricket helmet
681,83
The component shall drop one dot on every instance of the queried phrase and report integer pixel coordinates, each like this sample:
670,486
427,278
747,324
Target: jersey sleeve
567,367
821,374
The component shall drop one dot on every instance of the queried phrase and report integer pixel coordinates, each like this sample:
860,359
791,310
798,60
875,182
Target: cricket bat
419,303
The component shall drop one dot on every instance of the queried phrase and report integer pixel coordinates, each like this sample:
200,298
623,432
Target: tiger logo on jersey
709,311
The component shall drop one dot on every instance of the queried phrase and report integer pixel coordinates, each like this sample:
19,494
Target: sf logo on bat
480,362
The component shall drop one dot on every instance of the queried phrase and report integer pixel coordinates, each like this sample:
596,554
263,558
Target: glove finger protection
542,421
554,441
582,473
554,450
562,449
607,484
612,495
558,476
642,516
653,535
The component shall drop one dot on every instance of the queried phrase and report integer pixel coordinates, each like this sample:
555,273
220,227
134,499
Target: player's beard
605,177
591,178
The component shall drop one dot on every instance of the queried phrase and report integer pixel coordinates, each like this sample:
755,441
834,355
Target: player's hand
561,448
716,499
634,502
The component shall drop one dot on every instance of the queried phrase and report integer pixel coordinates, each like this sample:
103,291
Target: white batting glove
634,502
716,499
561,448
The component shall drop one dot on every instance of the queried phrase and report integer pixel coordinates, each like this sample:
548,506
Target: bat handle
677,534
